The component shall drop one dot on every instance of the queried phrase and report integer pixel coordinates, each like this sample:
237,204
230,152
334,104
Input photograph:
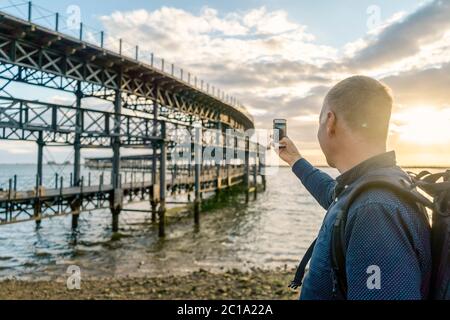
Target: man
385,236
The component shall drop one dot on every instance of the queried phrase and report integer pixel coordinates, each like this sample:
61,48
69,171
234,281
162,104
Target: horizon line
443,166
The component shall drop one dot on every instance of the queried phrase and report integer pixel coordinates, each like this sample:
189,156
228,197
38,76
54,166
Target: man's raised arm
318,183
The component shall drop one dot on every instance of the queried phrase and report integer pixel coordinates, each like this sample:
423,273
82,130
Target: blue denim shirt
381,231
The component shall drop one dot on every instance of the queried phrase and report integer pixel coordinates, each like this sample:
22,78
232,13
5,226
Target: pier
152,102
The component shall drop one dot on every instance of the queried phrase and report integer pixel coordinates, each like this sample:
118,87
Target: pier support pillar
198,149
230,143
262,168
77,140
116,201
247,169
40,158
75,207
261,164
37,213
255,172
154,196
115,219
162,182
255,181
39,178
197,200
75,217
154,206
77,155
218,162
162,220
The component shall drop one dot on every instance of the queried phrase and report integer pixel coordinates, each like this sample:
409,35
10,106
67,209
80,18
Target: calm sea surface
274,230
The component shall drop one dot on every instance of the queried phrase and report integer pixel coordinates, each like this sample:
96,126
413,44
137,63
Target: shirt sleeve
318,183
381,262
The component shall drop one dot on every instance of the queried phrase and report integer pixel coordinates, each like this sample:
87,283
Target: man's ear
331,123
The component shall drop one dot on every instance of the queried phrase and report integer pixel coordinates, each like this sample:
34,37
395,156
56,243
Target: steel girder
24,119
21,211
29,62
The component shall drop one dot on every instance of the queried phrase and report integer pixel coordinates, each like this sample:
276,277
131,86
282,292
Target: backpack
435,187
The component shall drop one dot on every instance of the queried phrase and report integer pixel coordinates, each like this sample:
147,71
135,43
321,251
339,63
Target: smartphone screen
281,126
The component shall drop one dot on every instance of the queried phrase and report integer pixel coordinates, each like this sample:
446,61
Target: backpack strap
298,280
402,187
439,191
338,252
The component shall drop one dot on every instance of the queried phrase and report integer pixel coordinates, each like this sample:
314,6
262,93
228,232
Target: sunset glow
423,125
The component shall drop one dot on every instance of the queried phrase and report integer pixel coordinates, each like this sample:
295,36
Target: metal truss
15,211
24,119
150,106
27,60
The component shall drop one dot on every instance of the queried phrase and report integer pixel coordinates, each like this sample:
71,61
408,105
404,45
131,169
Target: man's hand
288,152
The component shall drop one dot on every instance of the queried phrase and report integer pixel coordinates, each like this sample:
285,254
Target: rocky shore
233,284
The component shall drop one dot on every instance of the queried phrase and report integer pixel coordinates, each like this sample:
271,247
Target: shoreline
256,284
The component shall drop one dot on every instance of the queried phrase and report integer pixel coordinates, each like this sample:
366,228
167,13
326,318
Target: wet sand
200,285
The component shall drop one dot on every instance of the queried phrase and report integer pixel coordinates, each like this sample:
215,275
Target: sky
279,58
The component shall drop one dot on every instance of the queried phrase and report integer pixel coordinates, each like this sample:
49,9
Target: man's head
355,116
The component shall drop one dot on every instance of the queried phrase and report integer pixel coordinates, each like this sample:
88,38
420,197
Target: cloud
404,37
267,23
236,37
278,68
422,87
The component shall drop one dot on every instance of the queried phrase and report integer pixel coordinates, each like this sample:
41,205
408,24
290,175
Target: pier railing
19,205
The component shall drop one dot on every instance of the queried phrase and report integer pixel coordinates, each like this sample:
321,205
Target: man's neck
356,156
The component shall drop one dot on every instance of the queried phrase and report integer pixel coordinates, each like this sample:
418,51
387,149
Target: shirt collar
384,160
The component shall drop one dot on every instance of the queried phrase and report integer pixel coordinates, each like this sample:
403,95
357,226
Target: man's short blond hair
364,104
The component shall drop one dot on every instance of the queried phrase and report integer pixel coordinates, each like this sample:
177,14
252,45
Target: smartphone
281,126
